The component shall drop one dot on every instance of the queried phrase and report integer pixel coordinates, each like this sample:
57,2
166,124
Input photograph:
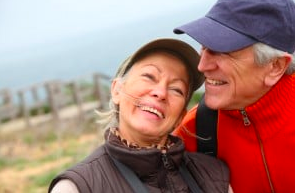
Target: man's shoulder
187,130
187,123
191,114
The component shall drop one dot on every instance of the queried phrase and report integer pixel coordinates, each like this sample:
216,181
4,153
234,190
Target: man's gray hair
263,54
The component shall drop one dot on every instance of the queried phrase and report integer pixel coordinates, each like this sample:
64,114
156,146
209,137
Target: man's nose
207,60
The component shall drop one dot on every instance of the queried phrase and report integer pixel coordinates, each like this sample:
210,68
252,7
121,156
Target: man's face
233,80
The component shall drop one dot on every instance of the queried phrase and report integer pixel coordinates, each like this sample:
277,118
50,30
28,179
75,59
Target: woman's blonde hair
183,51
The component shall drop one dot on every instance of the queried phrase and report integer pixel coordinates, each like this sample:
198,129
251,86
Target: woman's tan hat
184,50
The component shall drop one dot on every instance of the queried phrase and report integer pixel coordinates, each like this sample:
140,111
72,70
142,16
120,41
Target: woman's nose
160,92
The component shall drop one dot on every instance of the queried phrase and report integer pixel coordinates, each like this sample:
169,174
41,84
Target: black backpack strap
131,177
191,182
206,126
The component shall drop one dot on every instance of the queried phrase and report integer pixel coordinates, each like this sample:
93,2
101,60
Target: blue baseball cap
231,25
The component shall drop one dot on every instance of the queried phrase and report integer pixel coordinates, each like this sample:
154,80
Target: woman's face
152,98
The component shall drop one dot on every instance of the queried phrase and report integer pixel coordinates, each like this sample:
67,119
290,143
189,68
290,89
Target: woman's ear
115,90
277,69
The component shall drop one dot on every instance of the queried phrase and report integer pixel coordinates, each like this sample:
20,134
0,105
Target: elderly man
247,57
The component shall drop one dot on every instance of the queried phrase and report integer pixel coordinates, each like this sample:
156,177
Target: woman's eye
149,76
178,91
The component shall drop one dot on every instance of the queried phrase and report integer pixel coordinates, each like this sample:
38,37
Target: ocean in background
98,51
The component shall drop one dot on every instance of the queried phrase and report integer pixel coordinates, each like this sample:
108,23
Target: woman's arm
230,190
65,185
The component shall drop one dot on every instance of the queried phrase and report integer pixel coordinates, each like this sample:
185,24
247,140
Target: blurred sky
30,29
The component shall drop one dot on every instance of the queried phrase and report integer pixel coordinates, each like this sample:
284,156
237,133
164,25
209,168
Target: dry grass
30,158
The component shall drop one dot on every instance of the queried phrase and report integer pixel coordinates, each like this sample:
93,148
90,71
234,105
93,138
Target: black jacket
97,173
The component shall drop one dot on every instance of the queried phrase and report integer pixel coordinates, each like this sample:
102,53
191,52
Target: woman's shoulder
208,163
83,171
211,172
97,161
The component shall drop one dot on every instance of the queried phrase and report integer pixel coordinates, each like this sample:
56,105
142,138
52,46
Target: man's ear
115,90
277,69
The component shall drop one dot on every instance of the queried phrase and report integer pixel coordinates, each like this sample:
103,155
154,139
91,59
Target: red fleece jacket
268,142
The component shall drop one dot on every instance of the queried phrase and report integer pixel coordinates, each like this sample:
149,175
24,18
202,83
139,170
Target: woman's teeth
152,110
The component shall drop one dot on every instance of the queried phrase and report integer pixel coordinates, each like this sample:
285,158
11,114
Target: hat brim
215,36
183,49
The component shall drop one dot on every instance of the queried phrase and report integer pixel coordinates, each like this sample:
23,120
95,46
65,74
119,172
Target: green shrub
195,99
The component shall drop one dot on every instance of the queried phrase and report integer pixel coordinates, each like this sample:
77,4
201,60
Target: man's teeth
215,82
152,110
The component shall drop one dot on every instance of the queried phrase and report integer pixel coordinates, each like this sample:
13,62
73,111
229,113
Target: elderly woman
149,96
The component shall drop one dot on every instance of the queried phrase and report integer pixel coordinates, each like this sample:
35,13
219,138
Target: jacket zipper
166,162
247,123
245,117
168,166
264,160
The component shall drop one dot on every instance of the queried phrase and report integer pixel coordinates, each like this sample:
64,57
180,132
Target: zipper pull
245,118
166,161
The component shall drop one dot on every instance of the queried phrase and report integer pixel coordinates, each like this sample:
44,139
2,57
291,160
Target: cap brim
183,49
215,36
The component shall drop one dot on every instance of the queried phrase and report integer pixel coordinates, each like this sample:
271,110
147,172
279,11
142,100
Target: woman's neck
137,142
